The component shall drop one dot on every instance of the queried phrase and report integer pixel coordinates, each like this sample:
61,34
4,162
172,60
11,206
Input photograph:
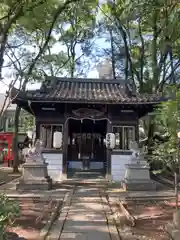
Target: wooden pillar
65,143
38,134
108,151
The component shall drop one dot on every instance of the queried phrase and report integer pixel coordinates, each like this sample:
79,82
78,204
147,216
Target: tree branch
59,10
142,51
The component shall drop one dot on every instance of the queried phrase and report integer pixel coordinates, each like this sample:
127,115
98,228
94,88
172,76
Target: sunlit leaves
40,16
76,32
9,210
168,116
150,32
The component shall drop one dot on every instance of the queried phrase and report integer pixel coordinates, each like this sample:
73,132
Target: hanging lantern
110,140
30,134
57,140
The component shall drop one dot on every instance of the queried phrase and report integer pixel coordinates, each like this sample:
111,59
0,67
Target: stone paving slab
74,236
139,194
86,218
94,217
85,226
85,236
41,194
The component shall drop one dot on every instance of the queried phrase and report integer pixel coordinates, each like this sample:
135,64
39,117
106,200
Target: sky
4,84
93,73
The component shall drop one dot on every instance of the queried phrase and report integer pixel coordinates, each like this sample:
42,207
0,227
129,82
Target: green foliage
76,33
26,121
149,32
168,117
70,39
41,16
9,210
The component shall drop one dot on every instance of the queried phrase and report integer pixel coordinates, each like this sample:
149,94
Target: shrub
9,210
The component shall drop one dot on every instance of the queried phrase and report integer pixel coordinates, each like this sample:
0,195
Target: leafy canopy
168,117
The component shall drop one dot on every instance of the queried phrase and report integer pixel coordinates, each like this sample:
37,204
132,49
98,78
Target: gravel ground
33,217
151,219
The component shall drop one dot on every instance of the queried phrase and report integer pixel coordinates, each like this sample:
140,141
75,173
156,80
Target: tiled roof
88,90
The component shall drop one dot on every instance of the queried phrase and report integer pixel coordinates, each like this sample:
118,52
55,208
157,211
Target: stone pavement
115,190
87,214
57,193
86,217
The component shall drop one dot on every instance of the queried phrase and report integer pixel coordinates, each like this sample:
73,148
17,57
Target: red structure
6,140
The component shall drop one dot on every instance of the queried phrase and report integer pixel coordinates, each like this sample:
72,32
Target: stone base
139,185
137,172
173,231
34,185
35,177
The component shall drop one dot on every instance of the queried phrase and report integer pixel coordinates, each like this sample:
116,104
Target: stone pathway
86,216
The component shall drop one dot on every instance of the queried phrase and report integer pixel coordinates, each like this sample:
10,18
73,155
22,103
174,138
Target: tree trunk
175,170
15,140
173,79
112,54
3,41
176,188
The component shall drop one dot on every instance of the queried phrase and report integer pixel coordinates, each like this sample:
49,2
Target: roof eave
87,101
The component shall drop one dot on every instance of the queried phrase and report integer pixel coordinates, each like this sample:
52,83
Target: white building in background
7,119
105,70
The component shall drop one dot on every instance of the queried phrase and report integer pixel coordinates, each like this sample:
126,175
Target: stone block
34,177
175,234
33,185
35,171
137,171
170,227
138,185
176,219
173,231
137,178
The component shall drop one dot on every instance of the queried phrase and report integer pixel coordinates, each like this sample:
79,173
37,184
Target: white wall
55,165
118,166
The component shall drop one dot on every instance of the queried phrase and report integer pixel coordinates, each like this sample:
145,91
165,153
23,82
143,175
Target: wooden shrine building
84,110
